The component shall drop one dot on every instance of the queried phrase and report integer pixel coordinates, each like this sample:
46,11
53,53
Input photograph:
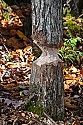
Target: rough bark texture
47,75
47,85
47,16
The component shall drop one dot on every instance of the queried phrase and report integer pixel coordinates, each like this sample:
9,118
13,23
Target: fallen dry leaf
73,69
27,48
15,7
76,122
13,32
15,43
19,13
19,52
31,58
21,35
68,77
70,106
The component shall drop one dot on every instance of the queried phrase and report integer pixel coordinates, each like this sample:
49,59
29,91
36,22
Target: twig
5,48
54,123
80,15
15,121
4,44
37,121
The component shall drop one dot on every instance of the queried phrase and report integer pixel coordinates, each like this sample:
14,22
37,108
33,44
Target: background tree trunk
47,75
76,6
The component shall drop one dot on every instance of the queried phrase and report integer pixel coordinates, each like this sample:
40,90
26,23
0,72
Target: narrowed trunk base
47,85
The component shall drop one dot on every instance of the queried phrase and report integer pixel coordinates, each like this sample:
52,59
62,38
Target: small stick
37,121
54,123
4,44
5,48
80,16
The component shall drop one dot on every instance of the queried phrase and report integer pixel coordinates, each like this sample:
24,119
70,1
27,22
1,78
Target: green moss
69,52
74,26
35,107
6,10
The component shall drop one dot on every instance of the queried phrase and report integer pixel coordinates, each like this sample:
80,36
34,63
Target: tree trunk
47,75
76,6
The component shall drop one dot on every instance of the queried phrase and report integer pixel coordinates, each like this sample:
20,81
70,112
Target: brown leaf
15,7
1,70
21,35
12,32
13,42
71,106
1,7
76,122
10,85
19,13
1,17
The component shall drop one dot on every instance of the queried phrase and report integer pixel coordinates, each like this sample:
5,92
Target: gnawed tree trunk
47,75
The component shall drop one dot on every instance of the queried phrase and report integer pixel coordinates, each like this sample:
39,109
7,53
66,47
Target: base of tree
47,85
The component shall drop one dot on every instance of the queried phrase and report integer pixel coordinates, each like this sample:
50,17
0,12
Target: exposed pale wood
49,55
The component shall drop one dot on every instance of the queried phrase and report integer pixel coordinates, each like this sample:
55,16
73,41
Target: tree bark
47,16
47,75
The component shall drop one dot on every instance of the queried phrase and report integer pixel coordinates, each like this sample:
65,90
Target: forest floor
15,69
16,57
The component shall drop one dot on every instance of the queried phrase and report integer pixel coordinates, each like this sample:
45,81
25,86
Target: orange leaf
1,7
1,17
76,122
27,48
68,77
31,58
66,86
19,51
1,70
